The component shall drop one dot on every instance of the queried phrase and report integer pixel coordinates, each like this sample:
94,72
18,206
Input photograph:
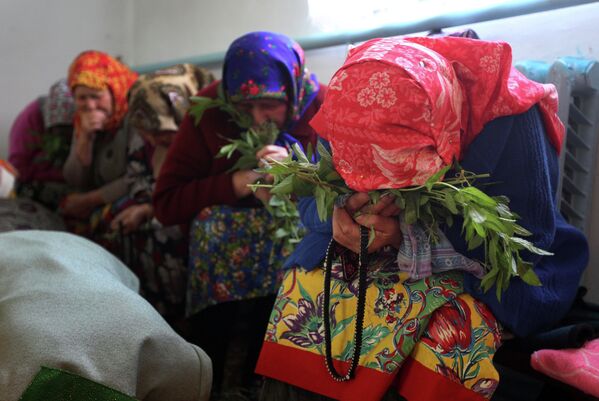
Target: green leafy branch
55,147
487,221
248,144
287,229
199,105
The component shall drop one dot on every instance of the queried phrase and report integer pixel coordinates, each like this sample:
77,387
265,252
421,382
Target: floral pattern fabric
98,70
427,320
232,257
159,100
269,65
401,108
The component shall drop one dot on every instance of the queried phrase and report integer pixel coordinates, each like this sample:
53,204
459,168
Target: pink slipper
576,367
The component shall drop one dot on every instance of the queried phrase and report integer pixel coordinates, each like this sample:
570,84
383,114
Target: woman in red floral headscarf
97,162
396,112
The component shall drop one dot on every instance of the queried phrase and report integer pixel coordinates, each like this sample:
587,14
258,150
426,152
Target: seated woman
396,112
97,160
231,257
70,307
40,139
157,104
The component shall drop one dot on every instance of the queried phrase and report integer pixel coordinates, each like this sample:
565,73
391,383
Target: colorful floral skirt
423,338
231,257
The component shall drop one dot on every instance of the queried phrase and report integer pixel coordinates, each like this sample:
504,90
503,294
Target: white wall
39,39
166,30
180,29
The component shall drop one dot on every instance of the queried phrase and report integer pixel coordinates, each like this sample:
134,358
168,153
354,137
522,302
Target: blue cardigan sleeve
524,167
312,248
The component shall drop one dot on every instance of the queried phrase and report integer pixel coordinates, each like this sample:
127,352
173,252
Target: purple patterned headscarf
269,65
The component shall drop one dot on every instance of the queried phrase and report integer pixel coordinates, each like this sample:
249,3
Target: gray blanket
67,303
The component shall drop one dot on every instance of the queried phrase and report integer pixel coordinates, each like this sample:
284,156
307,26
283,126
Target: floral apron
422,338
232,257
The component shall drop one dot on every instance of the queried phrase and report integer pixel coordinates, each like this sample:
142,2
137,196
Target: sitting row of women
123,125
394,113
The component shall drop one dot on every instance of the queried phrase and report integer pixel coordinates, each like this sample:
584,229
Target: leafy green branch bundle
285,214
199,104
487,221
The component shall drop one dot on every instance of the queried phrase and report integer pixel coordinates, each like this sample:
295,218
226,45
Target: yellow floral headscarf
98,70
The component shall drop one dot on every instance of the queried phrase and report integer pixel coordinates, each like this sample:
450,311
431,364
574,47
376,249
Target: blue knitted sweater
523,166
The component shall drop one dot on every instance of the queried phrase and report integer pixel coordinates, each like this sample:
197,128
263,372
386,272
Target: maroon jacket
192,178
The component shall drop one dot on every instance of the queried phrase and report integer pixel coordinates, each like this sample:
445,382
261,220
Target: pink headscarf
400,109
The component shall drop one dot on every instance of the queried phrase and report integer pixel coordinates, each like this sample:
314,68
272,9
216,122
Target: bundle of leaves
285,215
486,221
54,146
199,104
249,142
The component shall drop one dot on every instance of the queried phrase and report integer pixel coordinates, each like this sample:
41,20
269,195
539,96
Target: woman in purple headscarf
231,256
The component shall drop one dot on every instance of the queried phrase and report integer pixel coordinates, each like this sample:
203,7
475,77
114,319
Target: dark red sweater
191,178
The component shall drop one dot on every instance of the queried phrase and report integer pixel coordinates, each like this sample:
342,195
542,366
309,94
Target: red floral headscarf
98,70
400,109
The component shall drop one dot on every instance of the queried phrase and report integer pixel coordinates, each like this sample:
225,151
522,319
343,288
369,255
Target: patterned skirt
423,339
232,257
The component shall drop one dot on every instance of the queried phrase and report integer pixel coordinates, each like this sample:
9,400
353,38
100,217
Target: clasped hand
243,178
382,217
89,123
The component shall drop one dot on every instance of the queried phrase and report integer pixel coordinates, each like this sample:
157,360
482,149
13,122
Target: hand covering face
98,70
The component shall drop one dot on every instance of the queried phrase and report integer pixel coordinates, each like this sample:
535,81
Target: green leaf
436,177
411,210
475,242
375,196
324,154
299,153
332,176
301,187
330,198
371,236
200,104
320,197
449,202
281,233
528,275
530,247
284,187
400,201
479,196
489,279
521,231
476,216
